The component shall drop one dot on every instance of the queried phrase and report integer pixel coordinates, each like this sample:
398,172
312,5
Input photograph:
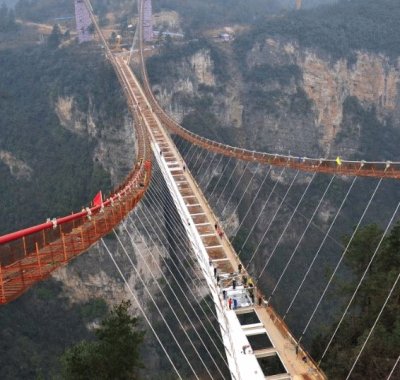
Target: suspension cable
342,257
179,250
286,227
245,190
140,308
394,367
236,186
302,236
185,155
361,280
201,166
192,157
177,282
262,210
169,304
185,148
171,208
220,176
206,171
320,246
194,171
155,304
273,219
211,177
183,266
253,201
373,327
171,213
227,182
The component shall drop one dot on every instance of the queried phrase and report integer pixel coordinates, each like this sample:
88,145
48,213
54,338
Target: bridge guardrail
31,254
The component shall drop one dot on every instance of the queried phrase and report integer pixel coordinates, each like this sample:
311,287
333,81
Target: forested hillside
62,113
381,352
339,29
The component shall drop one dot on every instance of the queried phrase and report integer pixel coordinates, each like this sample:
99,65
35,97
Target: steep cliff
286,98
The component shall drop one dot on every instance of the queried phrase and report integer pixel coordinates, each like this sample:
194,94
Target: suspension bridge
172,157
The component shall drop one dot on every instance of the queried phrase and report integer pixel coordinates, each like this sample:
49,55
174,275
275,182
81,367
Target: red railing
31,254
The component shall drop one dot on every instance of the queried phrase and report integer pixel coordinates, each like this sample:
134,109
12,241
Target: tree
55,37
382,349
113,355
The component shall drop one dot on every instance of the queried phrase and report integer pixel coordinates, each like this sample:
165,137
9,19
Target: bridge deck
221,253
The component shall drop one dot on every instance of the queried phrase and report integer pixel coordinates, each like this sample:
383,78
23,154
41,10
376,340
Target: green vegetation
201,14
163,65
114,355
36,328
265,74
64,176
338,29
378,141
43,10
382,349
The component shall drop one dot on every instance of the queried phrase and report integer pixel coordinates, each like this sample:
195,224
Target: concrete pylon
83,22
147,21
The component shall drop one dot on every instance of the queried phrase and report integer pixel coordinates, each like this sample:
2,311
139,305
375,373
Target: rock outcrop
18,168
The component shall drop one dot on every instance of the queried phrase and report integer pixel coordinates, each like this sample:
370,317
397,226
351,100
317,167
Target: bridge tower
83,21
147,21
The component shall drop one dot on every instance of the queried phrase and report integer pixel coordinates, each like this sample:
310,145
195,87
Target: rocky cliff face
372,79
93,275
18,168
277,97
299,111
